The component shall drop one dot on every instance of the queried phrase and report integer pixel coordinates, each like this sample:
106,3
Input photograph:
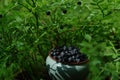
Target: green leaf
88,37
38,39
93,3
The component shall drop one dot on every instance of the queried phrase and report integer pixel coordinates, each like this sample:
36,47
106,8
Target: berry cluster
67,55
64,11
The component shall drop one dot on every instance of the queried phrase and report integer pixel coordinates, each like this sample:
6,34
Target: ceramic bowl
61,71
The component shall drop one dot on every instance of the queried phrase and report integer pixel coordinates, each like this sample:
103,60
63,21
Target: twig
100,73
101,10
25,7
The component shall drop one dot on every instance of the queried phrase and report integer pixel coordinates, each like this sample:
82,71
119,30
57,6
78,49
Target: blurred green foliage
27,34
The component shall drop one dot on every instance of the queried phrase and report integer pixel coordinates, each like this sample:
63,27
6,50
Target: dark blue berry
79,3
70,48
67,54
62,54
64,11
64,48
1,16
77,56
77,60
69,58
48,12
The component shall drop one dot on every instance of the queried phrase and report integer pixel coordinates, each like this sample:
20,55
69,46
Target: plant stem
37,22
101,10
36,25
33,3
25,7
99,73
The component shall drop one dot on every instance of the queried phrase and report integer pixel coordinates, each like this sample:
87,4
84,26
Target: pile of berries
66,54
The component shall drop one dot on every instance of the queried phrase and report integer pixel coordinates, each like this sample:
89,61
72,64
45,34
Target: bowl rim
66,63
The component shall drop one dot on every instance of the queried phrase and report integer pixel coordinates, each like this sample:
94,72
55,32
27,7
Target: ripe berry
48,12
62,54
77,60
77,56
61,27
65,59
79,3
64,11
66,54
1,16
64,48
69,59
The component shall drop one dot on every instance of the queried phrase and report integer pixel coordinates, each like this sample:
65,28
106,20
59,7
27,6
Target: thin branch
100,73
33,3
101,10
26,7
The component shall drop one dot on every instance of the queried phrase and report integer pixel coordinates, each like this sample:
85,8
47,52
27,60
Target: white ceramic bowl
60,71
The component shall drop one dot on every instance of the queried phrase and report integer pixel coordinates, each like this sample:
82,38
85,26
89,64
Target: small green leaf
88,37
93,3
